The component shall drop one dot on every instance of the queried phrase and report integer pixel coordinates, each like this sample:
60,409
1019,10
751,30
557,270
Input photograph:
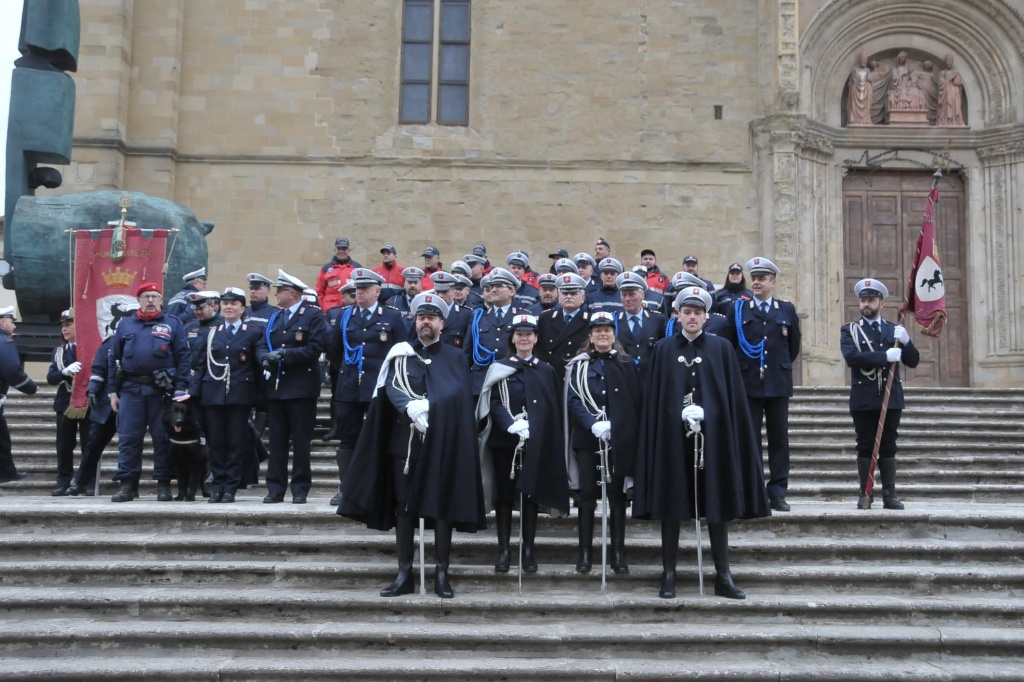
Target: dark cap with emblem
648,252
431,251
735,267
690,259
388,248
480,250
558,253
341,243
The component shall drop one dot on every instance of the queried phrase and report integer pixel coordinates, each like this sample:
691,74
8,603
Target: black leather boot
442,555
724,586
863,465
586,521
163,491
343,457
618,524
404,582
128,491
528,517
503,521
669,552
887,470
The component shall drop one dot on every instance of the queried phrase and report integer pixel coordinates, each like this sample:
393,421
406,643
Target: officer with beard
547,293
260,309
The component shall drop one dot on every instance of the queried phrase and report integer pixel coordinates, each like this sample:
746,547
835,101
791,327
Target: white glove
694,413
602,430
266,374
901,334
72,369
521,428
893,354
417,408
421,422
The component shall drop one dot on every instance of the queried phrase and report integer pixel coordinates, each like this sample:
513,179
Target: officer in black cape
417,453
695,377
523,439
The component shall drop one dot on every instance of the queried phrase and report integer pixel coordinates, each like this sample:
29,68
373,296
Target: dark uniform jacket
100,411
557,344
376,337
725,297
604,298
245,375
180,307
640,345
12,375
196,332
303,338
67,354
259,314
143,347
492,334
780,329
864,351
525,296
456,326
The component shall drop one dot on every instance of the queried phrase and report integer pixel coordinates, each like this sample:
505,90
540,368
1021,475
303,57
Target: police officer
359,343
260,309
333,274
564,265
226,383
735,288
490,329
602,249
391,272
607,296
456,325
766,334
11,376
63,368
871,347
547,293
714,322
526,295
179,305
555,256
564,330
148,359
653,300
289,351
413,285
656,279
639,329
690,266
464,295
206,305
586,267
477,266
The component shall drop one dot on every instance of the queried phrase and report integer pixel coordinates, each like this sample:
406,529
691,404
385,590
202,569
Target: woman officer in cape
603,408
523,435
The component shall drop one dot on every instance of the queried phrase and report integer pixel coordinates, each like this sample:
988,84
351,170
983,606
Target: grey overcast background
10,28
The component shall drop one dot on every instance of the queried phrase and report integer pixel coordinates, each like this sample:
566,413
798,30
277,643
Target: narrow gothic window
435,62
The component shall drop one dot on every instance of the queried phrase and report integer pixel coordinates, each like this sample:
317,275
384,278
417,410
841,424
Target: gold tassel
76,412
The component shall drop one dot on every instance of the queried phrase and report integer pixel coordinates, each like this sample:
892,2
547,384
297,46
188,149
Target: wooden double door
882,214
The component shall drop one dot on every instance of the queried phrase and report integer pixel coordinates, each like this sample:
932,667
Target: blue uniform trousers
291,422
134,415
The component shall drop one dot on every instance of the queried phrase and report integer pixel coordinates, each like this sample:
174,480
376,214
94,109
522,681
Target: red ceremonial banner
926,290
105,286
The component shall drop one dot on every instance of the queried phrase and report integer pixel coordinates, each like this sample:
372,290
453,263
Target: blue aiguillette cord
270,345
749,349
481,356
353,356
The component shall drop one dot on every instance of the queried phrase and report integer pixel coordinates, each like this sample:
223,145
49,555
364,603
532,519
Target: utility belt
139,378
161,378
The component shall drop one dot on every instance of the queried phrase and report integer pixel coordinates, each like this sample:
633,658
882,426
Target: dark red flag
105,286
926,289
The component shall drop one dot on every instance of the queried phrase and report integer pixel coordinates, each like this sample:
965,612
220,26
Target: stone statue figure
903,93
861,93
927,84
950,97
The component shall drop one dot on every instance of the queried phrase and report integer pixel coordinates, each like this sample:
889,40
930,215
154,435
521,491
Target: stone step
316,605
370,575
505,641
453,663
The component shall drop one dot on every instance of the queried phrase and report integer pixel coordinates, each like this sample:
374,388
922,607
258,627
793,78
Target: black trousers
403,483
69,430
291,424
7,468
590,482
865,423
100,436
228,438
504,486
349,422
775,414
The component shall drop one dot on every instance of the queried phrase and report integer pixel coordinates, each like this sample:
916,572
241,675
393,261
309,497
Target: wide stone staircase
192,591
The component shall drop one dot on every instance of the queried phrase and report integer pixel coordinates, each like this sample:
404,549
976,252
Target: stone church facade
715,128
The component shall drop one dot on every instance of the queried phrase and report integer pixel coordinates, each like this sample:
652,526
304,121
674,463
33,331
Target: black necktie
568,319
764,307
634,324
366,316
231,331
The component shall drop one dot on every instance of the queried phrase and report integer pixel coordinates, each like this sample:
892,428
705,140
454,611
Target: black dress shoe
668,585
75,490
59,491
215,498
227,498
299,498
529,560
19,476
273,498
404,583
725,587
504,559
778,503
163,492
336,500
892,502
442,588
584,563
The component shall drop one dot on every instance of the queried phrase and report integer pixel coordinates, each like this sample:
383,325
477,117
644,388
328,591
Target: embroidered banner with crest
926,290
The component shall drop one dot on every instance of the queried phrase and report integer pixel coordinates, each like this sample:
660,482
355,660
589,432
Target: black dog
188,450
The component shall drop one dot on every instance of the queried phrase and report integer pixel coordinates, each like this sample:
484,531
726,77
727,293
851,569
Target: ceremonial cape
733,476
542,476
446,481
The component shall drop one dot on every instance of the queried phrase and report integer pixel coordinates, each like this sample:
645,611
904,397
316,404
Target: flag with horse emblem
110,266
926,289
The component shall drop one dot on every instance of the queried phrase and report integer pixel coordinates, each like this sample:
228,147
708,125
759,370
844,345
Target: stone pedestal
909,117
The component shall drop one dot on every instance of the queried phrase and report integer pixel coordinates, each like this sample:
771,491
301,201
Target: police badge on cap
602,318
870,287
429,304
693,296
